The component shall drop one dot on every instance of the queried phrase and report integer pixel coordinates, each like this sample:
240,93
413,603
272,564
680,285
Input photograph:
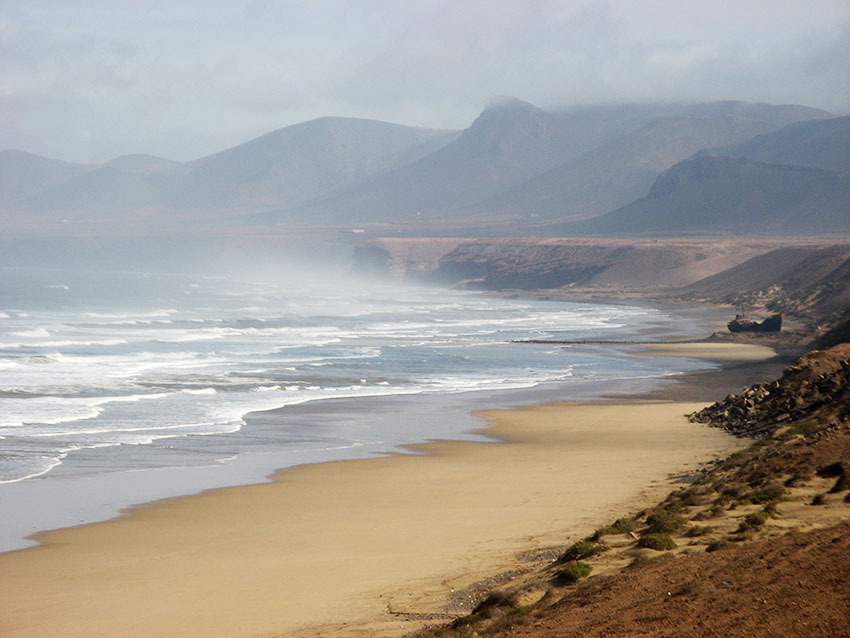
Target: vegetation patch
496,600
833,470
582,549
692,498
754,520
620,526
770,510
806,427
741,536
658,541
842,484
664,522
573,572
771,492
801,476
696,531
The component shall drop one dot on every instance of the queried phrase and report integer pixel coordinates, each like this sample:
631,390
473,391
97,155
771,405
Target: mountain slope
818,144
129,182
508,143
622,170
714,194
292,165
23,174
103,189
288,166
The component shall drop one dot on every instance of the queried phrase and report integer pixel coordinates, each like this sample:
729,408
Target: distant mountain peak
140,162
507,121
507,102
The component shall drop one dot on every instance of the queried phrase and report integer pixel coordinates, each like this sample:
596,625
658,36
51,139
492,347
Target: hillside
808,282
711,194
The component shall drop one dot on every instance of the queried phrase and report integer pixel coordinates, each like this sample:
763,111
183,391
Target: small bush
771,492
801,476
732,493
673,505
751,521
807,427
741,536
718,545
716,511
770,510
697,530
692,498
663,522
659,542
832,470
620,526
573,572
847,498
819,499
841,484
495,600
624,525
582,549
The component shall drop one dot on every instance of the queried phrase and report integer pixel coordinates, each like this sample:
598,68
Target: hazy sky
88,80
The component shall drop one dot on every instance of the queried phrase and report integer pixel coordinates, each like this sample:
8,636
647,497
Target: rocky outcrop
816,389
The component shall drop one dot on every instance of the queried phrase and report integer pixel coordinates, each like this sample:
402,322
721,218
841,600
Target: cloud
88,80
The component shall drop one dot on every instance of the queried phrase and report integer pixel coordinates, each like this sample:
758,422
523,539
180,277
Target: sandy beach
343,548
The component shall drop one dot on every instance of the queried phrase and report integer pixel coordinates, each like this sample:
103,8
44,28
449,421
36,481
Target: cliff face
554,263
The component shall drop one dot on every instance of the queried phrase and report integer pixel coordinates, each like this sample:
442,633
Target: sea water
105,378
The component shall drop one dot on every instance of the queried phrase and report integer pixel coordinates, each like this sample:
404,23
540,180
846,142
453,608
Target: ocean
120,388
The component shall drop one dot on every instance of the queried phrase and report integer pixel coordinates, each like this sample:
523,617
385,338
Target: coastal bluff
548,263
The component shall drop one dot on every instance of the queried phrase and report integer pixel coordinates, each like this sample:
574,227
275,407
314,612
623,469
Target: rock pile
818,386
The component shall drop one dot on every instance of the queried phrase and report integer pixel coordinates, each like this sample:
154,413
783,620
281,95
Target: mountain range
516,170
792,181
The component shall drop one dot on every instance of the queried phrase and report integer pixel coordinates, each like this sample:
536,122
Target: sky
90,80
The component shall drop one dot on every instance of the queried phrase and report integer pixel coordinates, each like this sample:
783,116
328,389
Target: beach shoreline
360,541
83,492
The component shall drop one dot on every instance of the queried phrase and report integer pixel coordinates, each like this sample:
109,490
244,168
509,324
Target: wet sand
335,548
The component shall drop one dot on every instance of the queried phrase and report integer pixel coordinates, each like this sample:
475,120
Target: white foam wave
35,333
72,343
